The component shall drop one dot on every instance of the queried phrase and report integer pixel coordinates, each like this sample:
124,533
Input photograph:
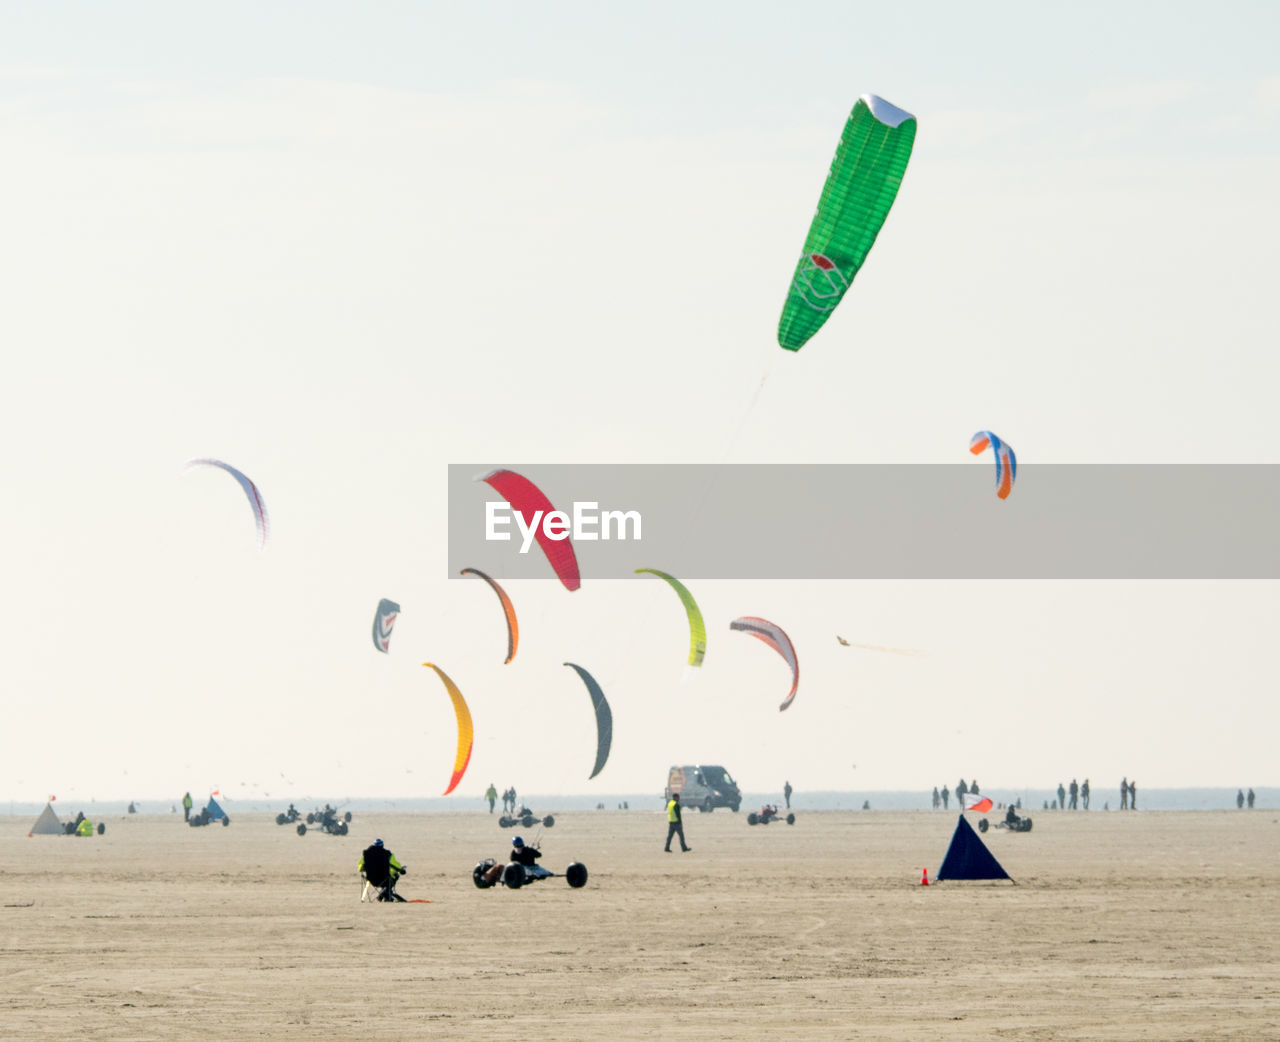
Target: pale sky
342,247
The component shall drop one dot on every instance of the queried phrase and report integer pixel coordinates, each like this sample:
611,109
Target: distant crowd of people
1072,797
509,799
1078,794
942,798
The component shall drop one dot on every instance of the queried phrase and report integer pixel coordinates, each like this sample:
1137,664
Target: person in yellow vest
491,794
675,825
85,828
186,807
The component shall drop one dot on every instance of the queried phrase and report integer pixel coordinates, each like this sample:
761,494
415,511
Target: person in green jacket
186,807
380,870
491,794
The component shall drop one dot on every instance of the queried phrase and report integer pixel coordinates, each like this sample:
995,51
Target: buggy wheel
982,825
281,819
311,819
504,822
225,821
101,828
302,829
513,876
548,821
791,819
478,875
753,818
1027,826
346,816
342,828
576,875
528,821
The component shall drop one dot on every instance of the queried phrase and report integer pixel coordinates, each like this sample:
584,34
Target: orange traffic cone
924,879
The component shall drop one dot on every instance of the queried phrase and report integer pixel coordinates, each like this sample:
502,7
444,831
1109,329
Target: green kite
860,189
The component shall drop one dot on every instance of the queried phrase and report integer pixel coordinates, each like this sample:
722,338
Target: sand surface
1123,926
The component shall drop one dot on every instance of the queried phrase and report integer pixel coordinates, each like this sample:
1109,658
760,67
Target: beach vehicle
1021,825
706,787
326,821
288,817
318,817
206,818
767,814
524,816
513,876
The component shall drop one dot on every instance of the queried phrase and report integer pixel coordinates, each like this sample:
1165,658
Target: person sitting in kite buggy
524,854
768,812
1011,816
380,868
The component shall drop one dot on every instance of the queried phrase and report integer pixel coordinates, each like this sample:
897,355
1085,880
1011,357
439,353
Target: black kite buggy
767,814
1017,825
514,875
326,820
524,816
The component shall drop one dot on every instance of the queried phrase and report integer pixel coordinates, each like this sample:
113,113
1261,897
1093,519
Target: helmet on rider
517,842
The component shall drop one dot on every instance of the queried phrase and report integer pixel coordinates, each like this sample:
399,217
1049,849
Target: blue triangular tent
214,810
47,824
968,857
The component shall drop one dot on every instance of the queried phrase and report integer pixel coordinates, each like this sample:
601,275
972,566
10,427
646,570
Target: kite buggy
212,812
524,816
1012,822
523,868
768,813
326,820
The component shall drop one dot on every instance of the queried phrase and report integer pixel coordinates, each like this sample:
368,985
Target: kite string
751,405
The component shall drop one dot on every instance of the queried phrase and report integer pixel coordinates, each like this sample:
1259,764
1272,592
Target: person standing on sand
945,794
961,789
186,807
491,794
1124,793
1133,795
675,824
1075,792
1084,794
1249,799
786,792
1062,797
937,800
1239,799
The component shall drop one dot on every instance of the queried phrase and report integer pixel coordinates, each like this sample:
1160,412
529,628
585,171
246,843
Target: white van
706,787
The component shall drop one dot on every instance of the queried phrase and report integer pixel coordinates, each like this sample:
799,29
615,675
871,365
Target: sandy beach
1154,925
